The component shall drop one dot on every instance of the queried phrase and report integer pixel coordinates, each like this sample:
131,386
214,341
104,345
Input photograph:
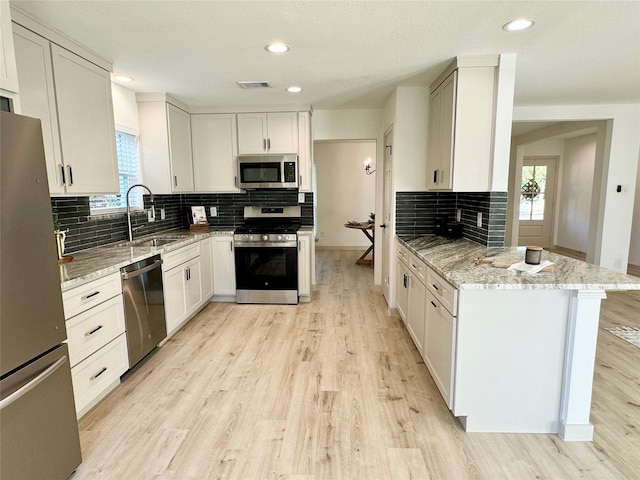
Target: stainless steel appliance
38,427
143,307
266,255
268,171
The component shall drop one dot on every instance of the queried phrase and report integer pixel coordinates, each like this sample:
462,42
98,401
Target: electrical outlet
163,214
618,262
479,220
458,215
213,211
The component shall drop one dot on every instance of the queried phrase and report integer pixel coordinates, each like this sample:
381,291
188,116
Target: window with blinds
129,173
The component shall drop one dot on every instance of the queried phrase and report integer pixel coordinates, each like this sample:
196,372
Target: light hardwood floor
335,389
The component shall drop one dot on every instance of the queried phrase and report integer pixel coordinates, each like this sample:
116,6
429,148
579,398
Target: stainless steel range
266,255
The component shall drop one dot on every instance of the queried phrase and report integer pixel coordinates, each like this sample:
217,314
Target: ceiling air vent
255,84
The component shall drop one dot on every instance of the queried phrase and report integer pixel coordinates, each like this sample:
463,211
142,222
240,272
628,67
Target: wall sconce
367,168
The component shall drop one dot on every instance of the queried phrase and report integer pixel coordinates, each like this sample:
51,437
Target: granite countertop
453,259
87,265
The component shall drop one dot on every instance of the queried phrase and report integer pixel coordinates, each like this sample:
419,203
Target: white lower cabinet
439,346
94,314
224,266
305,240
182,286
402,284
415,311
206,257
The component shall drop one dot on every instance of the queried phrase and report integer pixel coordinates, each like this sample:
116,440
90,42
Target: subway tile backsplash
416,212
87,231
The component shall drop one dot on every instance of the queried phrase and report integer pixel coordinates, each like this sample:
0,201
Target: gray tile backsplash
87,231
416,212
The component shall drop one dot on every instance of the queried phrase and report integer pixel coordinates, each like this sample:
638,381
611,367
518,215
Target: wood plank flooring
334,389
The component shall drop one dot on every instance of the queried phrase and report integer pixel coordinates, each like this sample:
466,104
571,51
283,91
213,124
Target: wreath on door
530,190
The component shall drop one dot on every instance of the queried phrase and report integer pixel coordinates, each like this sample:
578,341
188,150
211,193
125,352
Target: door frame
388,219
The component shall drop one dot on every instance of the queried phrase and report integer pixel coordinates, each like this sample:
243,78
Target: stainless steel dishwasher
143,307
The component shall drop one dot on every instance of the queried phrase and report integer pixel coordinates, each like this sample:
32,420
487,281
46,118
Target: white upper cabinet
305,159
165,146
72,98
179,123
214,143
462,115
273,132
8,72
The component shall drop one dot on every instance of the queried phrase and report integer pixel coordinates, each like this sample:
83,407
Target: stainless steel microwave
268,171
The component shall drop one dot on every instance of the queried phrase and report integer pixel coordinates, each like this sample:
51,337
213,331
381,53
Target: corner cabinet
273,132
165,146
461,133
72,98
215,147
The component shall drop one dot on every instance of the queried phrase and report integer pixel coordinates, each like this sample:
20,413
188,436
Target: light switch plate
301,197
213,211
163,215
458,215
479,221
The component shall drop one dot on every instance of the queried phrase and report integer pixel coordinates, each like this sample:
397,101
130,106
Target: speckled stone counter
96,262
453,259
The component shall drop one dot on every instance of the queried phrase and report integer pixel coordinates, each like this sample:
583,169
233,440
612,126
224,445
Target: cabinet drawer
94,328
403,254
417,268
443,291
82,298
175,258
95,374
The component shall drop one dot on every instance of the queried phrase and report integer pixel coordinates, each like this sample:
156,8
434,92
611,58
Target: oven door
266,273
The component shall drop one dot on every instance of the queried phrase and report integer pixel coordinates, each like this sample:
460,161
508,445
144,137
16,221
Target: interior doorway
387,215
537,201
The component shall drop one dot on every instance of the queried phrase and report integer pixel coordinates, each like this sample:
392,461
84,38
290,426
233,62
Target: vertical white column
580,355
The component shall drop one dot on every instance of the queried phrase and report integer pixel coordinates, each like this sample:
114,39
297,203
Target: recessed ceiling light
277,47
122,78
518,24
294,89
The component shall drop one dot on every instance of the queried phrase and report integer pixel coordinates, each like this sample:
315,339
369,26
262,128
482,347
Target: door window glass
532,192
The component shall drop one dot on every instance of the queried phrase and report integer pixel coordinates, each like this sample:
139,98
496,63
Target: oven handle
293,244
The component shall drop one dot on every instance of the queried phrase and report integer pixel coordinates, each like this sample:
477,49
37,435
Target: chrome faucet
153,211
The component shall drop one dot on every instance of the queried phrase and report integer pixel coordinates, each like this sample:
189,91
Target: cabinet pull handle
435,176
235,180
100,372
88,296
435,286
231,247
264,143
61,174
300,180
175,180
269,143
70,171
91,332
434,305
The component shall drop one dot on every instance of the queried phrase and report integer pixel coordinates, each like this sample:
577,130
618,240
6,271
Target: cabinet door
305,159
38,99
175,302
193,284
439,346
214,141
441,138
87,131
206,259
252,133
8,72
180,149
304,264
402,290
433,152
415,312
282,129
224,268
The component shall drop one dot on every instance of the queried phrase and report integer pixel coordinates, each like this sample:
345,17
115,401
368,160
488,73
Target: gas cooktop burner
268,228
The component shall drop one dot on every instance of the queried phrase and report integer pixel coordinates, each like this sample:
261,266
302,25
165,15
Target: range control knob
265,237
279,237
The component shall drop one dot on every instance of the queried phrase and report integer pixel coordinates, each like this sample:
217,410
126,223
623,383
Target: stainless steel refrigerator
38,427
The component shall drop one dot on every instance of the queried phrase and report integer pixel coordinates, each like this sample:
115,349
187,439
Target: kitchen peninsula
509,351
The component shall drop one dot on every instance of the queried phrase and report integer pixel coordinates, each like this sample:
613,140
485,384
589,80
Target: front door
387,221
537,200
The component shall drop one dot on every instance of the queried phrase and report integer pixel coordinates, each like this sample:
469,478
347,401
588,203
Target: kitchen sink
156,241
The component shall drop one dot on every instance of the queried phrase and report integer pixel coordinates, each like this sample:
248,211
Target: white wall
616,163
634,251
345,192
575,192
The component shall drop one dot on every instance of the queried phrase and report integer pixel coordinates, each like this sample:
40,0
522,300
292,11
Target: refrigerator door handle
33,383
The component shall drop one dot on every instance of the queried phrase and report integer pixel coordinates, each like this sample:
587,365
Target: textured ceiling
351,54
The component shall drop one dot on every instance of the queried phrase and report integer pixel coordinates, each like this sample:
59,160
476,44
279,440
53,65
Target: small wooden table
364,227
